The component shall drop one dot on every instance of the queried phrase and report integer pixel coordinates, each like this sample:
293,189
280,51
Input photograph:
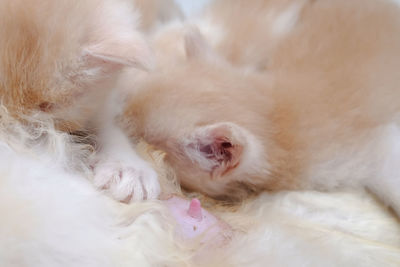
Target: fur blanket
52,216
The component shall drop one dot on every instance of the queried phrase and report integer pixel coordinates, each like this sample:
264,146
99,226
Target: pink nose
194,210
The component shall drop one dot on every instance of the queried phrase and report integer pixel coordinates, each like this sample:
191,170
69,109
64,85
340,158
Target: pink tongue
194,210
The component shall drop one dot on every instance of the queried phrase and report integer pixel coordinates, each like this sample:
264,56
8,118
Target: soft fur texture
54,217
61,57
51,216
319,110
311,229
59,60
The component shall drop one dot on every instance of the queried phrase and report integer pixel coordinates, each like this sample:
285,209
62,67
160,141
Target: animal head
205,114
227,132
55,56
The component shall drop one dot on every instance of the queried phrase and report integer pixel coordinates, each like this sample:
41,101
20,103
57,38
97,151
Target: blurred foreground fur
54,217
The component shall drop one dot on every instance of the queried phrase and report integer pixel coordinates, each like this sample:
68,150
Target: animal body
54,217
307,98
59,61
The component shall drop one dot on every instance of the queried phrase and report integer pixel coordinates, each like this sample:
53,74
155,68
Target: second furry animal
320,112
59,61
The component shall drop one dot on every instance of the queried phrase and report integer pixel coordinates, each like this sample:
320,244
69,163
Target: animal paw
126,182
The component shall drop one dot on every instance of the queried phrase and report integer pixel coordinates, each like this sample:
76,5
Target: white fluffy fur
389,153
117,166
53,217
313,229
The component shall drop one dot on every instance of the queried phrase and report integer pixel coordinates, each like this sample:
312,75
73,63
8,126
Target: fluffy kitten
59,60
323,115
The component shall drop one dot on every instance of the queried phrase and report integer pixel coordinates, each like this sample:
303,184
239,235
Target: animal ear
196,45
216,148
111,55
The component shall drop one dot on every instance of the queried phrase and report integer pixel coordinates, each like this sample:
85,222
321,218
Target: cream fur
60,60
53,217
317,104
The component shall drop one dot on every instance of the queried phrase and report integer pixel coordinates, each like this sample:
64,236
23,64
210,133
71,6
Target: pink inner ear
223,150
219,150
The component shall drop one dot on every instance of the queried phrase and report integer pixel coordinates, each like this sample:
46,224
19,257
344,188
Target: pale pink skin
195,222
